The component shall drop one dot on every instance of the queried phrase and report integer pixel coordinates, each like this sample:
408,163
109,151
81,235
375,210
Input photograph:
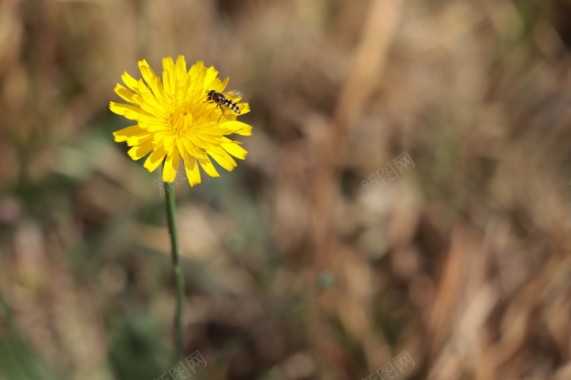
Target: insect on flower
172,122
221,100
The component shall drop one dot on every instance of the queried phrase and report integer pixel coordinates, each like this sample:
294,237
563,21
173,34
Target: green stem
177,269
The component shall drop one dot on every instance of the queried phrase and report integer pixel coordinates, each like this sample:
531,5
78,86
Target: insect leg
222,114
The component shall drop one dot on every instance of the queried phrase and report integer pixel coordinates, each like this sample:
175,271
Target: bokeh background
296,266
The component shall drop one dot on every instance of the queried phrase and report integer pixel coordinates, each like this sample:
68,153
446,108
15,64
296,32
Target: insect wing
234,95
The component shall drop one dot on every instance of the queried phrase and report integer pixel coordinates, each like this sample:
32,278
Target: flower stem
177,269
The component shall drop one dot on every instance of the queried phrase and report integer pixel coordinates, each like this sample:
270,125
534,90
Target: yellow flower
175,120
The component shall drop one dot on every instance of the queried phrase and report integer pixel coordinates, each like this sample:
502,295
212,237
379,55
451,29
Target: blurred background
403,212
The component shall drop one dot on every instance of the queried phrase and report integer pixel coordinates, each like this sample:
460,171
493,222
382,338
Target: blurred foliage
294,269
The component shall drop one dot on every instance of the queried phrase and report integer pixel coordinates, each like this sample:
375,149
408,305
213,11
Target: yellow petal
140,151
169,77
151,78
223,159
211,75
129,81
244,108
171,166
221,86
192,149
149,102
126,94
180,70
192,171
138,140
197,70
237,127
155,159
197,73
154,125
126,110
208,167
123,134
234,149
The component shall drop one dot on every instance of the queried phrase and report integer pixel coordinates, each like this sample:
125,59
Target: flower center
181,120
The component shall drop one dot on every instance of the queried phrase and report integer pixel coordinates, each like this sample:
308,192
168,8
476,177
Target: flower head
176,119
